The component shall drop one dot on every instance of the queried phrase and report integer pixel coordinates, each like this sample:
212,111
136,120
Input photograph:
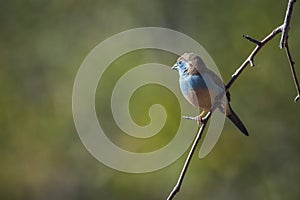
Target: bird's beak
175,67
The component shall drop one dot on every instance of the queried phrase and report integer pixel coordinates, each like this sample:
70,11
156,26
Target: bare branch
250,59
292,66
284,28
189,157
286,24
284,44
259,44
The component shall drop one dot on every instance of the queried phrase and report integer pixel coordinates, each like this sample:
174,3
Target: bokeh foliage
42,44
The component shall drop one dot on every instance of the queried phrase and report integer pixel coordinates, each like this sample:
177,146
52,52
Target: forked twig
284,28
250,59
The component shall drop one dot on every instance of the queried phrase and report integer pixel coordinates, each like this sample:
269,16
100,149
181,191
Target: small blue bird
203,88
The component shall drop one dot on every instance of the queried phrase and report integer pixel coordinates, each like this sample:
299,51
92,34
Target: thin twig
250,60
286,23
284,44
189,118
188,160
258,43
292,66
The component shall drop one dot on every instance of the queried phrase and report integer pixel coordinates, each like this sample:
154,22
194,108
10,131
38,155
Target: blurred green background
42,44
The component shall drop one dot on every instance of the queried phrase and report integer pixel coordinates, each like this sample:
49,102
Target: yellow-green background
42,44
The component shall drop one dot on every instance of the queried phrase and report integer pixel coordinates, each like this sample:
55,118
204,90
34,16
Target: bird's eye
179,62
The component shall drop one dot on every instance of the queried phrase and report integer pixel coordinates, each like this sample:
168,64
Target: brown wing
215,78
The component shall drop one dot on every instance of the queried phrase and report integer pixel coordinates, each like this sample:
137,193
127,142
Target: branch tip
189,118
258,43
297,98
251,62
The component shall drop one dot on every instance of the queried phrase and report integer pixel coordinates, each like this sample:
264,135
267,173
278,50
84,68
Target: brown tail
236,121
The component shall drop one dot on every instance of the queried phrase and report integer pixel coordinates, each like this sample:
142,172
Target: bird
202,88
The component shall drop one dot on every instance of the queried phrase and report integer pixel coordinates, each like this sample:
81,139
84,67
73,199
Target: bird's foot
197,118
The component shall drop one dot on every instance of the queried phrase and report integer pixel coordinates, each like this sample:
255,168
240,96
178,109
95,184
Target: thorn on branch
251,62
258,43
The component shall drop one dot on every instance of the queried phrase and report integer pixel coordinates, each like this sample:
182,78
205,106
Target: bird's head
189,64
181,66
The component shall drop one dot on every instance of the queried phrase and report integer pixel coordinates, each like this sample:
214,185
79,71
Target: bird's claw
197,118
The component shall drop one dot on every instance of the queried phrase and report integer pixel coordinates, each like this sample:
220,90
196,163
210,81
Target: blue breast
194,89
191,83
